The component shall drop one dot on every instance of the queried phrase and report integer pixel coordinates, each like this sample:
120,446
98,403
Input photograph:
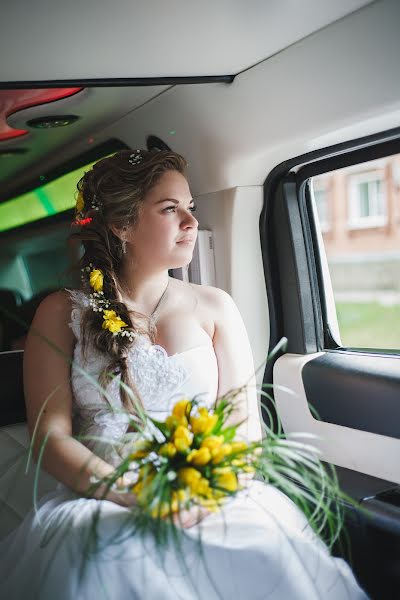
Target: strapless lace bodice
160,379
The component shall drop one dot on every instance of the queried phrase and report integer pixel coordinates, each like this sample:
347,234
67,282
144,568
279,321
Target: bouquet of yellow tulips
197,463
194,458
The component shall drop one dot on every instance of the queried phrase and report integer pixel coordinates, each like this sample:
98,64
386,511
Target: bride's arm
48,397
235,364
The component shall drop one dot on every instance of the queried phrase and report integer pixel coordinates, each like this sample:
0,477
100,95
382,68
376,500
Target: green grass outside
369,325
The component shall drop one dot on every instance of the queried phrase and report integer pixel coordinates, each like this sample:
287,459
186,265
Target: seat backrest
9,301
12,390
16,486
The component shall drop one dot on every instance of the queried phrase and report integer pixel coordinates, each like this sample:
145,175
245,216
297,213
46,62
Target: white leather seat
16,487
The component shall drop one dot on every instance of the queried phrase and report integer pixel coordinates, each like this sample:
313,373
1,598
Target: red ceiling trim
12,101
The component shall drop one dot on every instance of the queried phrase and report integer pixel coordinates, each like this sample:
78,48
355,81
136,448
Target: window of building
367,200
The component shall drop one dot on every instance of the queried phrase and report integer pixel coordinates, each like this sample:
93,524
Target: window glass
46,200
321,193
367,200
359,212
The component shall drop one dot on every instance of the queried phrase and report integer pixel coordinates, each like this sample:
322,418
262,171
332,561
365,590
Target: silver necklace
154,314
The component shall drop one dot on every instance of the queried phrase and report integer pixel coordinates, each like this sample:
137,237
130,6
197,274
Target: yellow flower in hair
112,321
80,204
96,280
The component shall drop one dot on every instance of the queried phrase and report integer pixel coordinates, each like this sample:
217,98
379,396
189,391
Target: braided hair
110,195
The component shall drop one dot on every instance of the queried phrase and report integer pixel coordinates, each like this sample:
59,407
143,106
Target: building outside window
367,200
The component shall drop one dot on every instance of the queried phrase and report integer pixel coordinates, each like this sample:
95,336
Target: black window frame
297,306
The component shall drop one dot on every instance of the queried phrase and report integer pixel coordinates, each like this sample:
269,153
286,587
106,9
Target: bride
135,220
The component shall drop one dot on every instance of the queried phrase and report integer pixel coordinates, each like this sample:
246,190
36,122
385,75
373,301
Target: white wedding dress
258,547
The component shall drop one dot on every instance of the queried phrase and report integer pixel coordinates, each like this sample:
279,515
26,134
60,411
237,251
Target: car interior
289,117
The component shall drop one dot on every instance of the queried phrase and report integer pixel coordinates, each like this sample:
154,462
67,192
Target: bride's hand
192,516
121,496
245,478
126,499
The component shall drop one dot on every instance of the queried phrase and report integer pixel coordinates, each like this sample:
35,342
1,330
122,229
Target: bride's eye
169,208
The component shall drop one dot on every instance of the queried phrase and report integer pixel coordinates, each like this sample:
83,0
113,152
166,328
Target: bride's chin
179,264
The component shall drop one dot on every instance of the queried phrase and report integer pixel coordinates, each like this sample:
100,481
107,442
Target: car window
358,210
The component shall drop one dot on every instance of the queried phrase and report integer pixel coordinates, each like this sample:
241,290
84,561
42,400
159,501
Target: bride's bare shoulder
59,301
211,299
54,309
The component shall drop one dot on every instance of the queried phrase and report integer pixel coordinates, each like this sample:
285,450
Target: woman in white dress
135,213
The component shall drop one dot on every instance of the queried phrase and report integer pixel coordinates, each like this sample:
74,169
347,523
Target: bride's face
166,231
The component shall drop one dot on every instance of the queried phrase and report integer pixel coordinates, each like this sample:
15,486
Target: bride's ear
119,232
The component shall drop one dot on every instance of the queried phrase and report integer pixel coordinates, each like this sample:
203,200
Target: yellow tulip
219,454
161,510
141,487
181,408
182,438
178,497
172,422
96,280
239,446
202,487
141,449
210,503
189,476
168,450
227,480
181,445
212,442
199,457
204,423
238,462
249,469
137,489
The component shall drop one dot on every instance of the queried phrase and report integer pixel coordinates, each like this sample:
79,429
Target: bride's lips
186,241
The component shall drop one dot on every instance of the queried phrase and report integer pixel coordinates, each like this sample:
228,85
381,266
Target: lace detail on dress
158,378
79,302
156,374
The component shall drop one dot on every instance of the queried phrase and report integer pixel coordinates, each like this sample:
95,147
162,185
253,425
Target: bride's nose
189,221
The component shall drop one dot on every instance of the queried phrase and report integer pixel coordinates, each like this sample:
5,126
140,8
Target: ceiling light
53,121
8,152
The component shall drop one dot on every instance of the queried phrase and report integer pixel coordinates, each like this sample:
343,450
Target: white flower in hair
135,158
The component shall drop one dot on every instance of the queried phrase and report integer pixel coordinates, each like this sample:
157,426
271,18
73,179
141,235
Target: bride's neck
142,290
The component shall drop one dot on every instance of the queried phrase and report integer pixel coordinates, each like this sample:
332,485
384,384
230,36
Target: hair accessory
135,158
80,218
79,209
98,303
96,203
